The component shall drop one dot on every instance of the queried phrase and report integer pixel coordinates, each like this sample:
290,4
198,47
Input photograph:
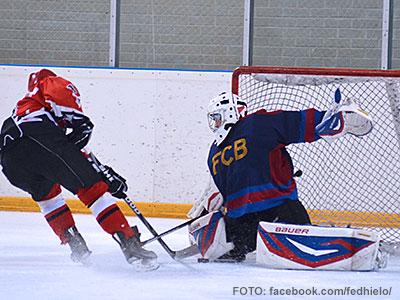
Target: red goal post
353,180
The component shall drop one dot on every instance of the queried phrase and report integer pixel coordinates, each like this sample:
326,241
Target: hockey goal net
352,181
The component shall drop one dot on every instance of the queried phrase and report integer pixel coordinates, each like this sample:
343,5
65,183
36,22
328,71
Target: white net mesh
353,180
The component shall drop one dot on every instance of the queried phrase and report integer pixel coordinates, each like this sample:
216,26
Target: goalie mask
223,112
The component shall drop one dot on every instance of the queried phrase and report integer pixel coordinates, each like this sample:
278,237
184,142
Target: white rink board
150,125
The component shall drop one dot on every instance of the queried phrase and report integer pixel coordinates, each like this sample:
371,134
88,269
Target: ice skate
231,257
142,259
79,250
382,256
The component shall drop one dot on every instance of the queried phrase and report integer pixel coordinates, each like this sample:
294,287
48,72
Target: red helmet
34,78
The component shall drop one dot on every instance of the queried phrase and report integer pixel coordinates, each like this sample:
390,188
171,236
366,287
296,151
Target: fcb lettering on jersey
252,168
230,154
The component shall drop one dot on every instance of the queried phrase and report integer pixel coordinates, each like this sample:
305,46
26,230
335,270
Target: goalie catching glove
344,118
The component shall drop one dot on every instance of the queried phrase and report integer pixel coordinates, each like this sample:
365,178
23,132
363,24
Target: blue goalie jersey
252,168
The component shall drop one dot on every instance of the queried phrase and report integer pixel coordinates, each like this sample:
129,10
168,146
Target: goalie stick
170,230
176,255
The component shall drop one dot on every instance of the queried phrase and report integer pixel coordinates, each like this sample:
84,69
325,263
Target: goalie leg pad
283,246
209,234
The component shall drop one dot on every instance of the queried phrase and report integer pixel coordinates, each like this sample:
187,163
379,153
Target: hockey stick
176,255
186,252
170,231
149,227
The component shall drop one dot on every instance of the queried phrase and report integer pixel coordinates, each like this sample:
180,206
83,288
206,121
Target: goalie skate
383,254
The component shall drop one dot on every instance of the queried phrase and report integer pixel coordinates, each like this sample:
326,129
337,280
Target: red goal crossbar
308,71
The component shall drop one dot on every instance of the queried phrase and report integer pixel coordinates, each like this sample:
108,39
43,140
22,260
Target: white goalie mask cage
223,112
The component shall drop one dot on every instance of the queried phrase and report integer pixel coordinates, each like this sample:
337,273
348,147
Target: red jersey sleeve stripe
309,133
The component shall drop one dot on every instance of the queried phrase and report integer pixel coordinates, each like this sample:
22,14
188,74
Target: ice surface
34,266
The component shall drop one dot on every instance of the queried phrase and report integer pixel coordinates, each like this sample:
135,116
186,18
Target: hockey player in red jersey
41,151
252,172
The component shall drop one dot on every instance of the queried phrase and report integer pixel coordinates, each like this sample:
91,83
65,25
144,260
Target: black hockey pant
36,163
242,231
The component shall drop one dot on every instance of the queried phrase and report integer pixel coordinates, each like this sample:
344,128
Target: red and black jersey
54,96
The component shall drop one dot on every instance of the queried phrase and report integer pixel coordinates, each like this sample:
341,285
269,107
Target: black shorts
242,231
36,162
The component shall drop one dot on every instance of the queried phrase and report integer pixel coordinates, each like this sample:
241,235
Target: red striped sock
109,216
57,213
60,220
112,220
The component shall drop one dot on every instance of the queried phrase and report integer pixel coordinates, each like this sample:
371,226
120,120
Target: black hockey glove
81,132
116,183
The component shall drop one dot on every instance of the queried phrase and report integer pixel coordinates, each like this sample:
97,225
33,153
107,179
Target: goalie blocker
283,246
